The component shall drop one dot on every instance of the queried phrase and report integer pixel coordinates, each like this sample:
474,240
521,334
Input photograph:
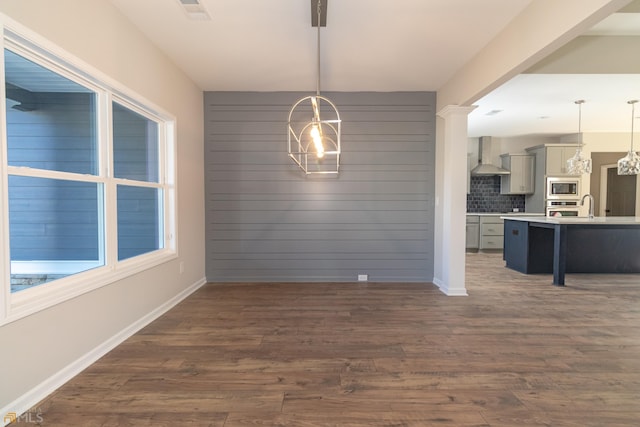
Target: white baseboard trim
26,402
444,288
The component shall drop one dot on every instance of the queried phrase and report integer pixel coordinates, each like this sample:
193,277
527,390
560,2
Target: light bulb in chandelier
317,141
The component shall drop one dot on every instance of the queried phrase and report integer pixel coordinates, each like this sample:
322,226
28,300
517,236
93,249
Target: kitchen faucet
590,204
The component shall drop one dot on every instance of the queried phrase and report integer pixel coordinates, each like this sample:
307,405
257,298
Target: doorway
617,192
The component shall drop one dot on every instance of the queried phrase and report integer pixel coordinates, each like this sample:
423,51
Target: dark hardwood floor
516,352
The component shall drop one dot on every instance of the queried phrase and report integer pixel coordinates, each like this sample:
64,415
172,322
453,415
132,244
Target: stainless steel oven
563,188
563,208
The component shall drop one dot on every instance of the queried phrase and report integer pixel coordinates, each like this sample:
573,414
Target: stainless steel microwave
563,188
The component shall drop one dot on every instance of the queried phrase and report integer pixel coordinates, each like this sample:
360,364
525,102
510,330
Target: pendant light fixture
630,164
579,164
314,124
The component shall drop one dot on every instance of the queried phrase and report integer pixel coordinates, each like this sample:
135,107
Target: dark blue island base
579,245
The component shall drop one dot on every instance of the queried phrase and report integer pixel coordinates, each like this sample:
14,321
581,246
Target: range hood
485,168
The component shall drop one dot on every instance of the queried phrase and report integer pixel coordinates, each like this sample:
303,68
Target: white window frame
16,305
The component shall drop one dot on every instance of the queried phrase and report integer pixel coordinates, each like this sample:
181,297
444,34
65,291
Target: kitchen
534,122
528,175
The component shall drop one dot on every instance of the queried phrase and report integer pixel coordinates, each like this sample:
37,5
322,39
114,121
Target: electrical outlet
181,267
363,277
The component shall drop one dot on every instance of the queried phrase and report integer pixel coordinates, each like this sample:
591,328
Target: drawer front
491,219
473,219
491,242
492,230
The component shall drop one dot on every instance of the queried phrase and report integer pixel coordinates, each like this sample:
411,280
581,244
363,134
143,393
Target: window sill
27,302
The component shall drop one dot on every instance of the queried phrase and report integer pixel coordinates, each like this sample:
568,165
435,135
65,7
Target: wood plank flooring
516,352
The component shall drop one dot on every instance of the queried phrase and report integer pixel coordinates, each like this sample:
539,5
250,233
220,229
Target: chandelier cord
579,117
580,102
318,82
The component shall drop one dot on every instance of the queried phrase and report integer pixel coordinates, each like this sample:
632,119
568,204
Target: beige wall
39,346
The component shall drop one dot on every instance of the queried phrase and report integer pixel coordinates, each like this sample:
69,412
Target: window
135,150
89,180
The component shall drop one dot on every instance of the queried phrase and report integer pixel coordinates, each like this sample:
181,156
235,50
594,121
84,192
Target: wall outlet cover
363,277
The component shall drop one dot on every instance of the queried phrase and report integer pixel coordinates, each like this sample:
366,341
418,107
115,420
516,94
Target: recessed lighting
493,112
543,117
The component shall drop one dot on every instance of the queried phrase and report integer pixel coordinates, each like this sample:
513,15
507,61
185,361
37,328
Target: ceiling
382,45
367,45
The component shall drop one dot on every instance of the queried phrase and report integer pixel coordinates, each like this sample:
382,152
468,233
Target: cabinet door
528,168
557,159
473,236
521,179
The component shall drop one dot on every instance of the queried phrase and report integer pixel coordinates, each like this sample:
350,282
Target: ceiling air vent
195,10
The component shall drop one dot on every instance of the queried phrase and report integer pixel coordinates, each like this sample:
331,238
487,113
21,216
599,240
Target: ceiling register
314,122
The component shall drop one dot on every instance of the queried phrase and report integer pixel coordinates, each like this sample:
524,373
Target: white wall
40,346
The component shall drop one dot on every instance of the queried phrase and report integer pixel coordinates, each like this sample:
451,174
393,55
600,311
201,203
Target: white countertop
599,220
509,214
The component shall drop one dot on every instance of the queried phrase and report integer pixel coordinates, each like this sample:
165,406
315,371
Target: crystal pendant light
314,144
630,164
579,164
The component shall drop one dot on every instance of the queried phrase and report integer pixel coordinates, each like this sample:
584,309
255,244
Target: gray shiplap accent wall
267,221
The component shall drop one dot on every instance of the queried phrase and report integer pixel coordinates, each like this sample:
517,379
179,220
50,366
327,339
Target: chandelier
630,164
579,164
315,126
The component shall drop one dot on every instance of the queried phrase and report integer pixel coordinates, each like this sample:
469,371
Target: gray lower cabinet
491,232
473,232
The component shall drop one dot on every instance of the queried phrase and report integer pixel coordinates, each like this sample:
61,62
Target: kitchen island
559,245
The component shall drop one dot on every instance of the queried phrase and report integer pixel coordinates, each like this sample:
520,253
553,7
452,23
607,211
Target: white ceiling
382,45
544,104
367,45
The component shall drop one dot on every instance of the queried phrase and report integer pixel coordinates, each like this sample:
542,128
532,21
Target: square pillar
451,200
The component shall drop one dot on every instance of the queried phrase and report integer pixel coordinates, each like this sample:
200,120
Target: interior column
451,200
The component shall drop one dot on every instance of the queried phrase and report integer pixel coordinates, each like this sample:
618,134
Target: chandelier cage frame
314,144
301,144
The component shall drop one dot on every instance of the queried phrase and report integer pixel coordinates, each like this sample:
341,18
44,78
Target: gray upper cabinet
557,159
521,179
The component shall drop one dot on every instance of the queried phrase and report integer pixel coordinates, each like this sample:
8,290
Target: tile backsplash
484,196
